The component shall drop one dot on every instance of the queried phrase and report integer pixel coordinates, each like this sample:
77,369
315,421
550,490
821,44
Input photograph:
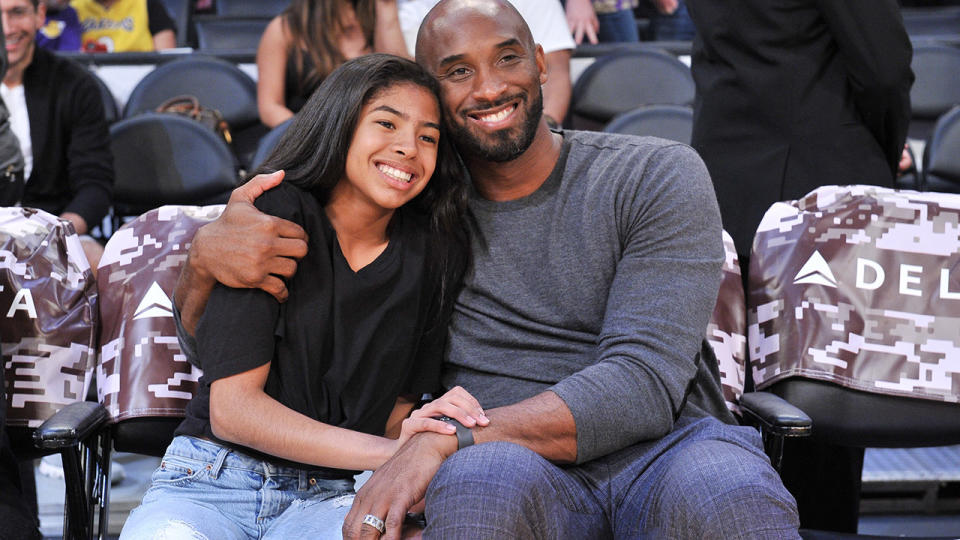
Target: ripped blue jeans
205,491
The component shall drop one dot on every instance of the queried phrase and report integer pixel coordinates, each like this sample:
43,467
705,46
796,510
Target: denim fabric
617,27
205,491
705,479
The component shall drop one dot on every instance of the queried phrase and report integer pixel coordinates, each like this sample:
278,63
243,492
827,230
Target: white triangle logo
816,272
154,304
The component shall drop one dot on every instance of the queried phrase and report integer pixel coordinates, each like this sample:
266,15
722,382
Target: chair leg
773,447
76,523
100,490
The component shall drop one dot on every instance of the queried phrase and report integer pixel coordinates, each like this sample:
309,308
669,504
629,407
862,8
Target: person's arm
387,35
89,159
657,311
165,39
162,27
238,407
582,20
665,7
548,25
876,52
272,70
242,248
243,413
79,224
557,89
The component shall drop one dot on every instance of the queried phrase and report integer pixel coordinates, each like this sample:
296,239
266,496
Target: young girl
302,45
296,397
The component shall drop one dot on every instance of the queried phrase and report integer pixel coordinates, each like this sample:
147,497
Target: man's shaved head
449,15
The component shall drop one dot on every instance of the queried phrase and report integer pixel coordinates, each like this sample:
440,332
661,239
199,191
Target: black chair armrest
775,415
70,425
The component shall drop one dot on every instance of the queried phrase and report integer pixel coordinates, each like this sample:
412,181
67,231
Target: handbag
189,106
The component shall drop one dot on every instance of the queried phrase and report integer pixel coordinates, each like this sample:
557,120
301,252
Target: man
547,24
57,114
18,517
596,263
125,25
62,30
793,95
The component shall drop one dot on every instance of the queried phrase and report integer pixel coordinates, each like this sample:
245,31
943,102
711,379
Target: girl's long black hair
313,154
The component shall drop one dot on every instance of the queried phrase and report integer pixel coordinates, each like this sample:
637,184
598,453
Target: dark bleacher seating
217,84
110,110
215,35
941,169
168,159
250,8
936,88
933,23
625,80
268,143
673,122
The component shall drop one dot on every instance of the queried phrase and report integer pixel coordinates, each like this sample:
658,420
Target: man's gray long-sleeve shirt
598,287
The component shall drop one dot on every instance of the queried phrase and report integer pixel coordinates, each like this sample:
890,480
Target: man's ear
41,14
541,64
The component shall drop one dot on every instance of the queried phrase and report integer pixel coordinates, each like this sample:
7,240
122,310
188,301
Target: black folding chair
625,80
168,159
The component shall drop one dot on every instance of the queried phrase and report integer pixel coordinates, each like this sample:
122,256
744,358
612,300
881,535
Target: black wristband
464,434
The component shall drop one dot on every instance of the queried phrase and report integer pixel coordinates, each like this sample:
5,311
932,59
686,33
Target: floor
918,481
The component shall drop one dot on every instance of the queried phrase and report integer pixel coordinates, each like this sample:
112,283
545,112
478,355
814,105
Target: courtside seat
854,309
143,380
48,305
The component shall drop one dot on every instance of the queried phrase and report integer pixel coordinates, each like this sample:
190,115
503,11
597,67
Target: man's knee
503,490
488,466
722,490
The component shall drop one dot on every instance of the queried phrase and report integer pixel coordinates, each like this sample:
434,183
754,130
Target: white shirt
16,102
546,19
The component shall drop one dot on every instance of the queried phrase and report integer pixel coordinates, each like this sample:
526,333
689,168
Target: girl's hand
456,403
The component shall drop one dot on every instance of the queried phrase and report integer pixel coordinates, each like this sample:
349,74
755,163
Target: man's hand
399,484
246,248
906,160
582,20
666,7
243,248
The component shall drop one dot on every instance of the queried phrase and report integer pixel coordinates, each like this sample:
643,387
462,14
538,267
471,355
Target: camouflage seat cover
859,286
726,332
142,371
48,305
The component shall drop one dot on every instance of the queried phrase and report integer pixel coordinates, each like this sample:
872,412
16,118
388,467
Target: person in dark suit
795,94
792,95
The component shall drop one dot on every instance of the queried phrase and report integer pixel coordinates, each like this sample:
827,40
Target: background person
125,25
18,517
311,38
57,114
62,30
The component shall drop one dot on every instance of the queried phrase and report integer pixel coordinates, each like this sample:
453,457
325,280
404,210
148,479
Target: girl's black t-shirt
343,346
